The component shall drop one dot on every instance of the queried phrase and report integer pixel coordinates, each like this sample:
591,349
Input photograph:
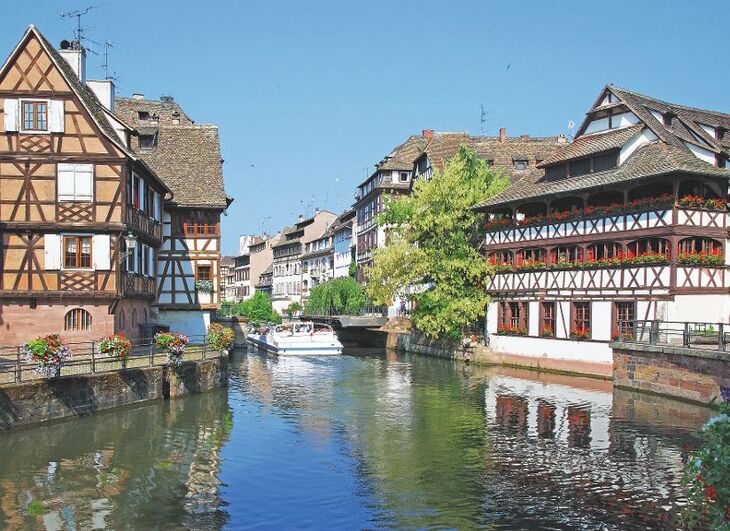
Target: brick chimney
502,135
427,133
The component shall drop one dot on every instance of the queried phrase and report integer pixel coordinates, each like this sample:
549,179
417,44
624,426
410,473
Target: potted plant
219,337
547,331
580,333
48,352
116,347
204,286
175,343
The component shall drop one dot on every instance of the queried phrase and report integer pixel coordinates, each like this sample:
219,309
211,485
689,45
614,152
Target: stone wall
691,374
43,400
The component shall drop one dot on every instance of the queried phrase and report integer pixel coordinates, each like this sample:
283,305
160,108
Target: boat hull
298,348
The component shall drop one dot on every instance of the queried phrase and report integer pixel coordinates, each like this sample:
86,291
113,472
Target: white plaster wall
596,125
601,320
492,317
533,316
538,347
192,323
699,308
643,137
702,154
562,319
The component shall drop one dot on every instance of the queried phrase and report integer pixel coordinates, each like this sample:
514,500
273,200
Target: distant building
266,280
242,278
287,277
245,242
317,262
261,258
228,290
343,239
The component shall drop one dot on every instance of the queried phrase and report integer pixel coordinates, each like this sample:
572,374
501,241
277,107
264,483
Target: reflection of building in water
585,449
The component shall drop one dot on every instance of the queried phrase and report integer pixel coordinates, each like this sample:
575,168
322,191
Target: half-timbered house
72,194
187,158
627,222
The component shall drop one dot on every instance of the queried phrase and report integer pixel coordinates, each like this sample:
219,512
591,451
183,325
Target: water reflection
366,440
149,466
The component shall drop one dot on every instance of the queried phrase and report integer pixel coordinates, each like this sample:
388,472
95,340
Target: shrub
48,352
707,475
340,296
219,337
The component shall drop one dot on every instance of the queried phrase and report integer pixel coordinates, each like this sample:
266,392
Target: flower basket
204,286
580,334
219,337
48,352
116,347
175,343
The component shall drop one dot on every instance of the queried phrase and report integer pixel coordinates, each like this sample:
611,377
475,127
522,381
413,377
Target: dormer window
520,164
143,115
667,118
146,142
35,116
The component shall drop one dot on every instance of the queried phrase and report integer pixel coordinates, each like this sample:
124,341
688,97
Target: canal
364,440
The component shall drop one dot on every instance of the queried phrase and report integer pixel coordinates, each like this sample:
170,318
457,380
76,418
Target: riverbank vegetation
433,247
257,309
338,296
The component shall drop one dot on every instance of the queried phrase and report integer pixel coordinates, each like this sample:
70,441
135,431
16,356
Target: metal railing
369,310
687,334
86,359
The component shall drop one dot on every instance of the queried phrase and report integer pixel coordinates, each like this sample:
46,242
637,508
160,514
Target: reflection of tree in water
147,466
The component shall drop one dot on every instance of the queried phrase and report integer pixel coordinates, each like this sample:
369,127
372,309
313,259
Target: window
143,115
122,324
404,177
75,182
35,116
625,316
581,316
204,272
77,252
146,142
520,164
548,319
77,319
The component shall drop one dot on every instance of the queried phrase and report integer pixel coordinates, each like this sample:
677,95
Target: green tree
256,309
338,296
433,243
293,308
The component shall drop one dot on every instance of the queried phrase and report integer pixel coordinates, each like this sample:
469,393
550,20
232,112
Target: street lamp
130,241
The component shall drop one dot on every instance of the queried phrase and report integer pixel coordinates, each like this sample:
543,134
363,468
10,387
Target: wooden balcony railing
138,285
139,221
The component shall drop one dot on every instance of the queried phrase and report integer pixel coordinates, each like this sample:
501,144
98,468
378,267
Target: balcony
606,220
137,285
140,222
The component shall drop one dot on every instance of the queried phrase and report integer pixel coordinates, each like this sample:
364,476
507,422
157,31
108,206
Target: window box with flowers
204,286
547,331
509,330
48,352
702,203
702,259
580,334
628,260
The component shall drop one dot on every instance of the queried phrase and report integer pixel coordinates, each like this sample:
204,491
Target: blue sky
310,95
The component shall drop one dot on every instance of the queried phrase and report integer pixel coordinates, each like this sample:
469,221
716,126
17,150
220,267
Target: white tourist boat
305,338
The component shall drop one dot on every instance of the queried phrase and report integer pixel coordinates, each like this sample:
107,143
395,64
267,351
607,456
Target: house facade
318,261
187,158
343,242
228,288
261,260
627,222
80,211
242,278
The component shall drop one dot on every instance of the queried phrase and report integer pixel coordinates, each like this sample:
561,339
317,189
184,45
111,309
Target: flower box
508,330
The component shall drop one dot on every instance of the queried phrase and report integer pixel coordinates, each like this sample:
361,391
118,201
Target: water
366,440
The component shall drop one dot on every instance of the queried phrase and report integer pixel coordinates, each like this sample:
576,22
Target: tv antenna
483,121
105,64
571,126
79,32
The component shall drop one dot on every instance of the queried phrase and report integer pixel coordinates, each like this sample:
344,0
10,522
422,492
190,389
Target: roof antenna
79,32
105,64
571,126
483,121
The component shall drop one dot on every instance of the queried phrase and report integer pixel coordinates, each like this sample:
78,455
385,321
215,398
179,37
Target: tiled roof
401,158
588,145
228,261
443,146
650,160
187,157
161,112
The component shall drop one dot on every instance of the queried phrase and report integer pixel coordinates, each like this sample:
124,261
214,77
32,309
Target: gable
31,70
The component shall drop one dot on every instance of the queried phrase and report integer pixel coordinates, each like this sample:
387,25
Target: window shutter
52,251
84,182
66,184
10,114
56,116
101,250
151,262
141,194
156,206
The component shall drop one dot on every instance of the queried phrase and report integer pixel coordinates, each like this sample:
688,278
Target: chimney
502,135
524,137
562,139
427,133
104,90
301,218
75,56
138,96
